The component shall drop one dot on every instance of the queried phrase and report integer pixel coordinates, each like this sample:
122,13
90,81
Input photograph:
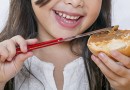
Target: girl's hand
10,64
117,72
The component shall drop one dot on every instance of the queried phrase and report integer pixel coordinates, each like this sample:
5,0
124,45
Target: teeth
73,17
64,15
67,16
60,14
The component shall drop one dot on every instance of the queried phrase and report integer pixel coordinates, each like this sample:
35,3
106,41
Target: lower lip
66,22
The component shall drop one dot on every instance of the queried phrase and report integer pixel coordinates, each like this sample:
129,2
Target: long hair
22,21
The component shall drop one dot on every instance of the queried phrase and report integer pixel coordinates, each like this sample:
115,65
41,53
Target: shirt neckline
68,66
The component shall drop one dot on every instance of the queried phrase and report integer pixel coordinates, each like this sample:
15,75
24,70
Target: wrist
2,85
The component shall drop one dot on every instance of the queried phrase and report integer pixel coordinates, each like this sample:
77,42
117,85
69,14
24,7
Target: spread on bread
114,39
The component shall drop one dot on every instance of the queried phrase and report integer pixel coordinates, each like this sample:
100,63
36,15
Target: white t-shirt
75,77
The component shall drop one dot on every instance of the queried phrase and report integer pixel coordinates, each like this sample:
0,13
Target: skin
9,63
117,74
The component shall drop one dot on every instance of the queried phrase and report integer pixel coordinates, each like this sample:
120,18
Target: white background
120,13
4,8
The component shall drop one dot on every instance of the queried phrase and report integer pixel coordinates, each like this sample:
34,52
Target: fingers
31,41
117,75
113,66
3,53
10,64
11,49
19,60
114,79
22,43
105,70
18,40
121,58
8,47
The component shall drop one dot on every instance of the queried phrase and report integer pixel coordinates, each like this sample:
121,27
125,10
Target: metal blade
88,33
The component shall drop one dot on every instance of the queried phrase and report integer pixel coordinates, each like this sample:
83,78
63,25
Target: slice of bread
112,40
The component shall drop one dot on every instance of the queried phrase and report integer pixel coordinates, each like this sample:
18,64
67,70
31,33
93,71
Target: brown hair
22,22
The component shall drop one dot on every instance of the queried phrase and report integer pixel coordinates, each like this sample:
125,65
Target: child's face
64,18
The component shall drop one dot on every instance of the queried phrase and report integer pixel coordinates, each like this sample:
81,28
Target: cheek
38,11
94,8
94,13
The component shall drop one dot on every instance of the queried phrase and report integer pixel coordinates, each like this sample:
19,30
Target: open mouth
68,20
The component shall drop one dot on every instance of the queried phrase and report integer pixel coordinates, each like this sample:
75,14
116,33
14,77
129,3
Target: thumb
19,60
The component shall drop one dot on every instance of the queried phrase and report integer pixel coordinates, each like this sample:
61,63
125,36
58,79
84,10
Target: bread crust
114,40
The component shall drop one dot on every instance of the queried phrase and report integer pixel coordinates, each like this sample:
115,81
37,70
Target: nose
75,3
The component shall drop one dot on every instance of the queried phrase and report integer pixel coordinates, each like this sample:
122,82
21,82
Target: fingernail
102,55
94,58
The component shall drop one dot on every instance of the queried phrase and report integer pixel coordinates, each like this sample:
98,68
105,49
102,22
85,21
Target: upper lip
70,13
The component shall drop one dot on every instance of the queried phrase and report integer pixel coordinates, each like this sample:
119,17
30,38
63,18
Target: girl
67,66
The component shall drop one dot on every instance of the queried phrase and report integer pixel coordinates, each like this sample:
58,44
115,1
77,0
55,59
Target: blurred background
120,13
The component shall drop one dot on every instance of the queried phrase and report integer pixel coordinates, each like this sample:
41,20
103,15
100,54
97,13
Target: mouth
68,20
